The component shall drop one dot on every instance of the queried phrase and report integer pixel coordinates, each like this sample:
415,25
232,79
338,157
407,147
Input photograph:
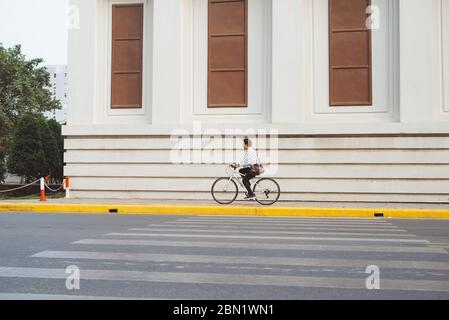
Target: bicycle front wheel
267,191
225,191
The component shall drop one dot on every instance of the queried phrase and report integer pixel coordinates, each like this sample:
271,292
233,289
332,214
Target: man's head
246,143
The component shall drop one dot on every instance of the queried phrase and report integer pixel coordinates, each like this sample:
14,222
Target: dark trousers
247,176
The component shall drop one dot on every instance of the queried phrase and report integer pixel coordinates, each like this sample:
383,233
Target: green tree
23,85
27,156
23,90
55,128
4,129
50,148
2,167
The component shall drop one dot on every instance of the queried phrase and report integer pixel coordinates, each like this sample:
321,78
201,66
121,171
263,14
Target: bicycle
225,190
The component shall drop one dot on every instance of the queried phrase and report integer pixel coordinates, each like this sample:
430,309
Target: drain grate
379,215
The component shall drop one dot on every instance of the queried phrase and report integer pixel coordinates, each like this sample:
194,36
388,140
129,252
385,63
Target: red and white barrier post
67,187
43,198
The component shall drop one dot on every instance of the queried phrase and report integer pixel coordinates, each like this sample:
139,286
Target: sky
38,25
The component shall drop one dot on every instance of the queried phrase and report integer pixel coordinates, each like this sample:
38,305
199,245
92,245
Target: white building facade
355,92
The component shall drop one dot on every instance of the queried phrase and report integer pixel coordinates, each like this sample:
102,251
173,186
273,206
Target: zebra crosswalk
204,257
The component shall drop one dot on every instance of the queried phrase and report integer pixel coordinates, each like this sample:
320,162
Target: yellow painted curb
229,211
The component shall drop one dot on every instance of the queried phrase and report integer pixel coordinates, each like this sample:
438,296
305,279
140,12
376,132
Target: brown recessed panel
227,17
127,56
350,49
350,56
127,21
126,91
351,86
349,13
227,52
227,89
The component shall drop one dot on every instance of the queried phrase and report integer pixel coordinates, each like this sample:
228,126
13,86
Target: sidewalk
286,209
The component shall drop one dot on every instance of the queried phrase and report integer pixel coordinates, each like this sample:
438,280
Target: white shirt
249,158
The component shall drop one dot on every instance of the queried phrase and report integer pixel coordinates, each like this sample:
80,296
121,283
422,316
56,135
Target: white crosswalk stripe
261,246
302,246
240,260
195,235
289,228
288,220
271,232
40,297
261,223
226,279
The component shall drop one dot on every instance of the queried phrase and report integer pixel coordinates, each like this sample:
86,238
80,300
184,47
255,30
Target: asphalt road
205,257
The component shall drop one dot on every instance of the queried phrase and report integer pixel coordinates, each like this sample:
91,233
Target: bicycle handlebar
230,170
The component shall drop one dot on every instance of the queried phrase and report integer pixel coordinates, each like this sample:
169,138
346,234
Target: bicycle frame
235,175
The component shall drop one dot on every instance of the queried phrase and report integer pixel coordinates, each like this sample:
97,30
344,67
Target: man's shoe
250,197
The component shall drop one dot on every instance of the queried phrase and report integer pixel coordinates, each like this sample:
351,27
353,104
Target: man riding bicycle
266,191
250,167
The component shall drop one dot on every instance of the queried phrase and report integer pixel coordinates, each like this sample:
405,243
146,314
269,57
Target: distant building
58,87
13,179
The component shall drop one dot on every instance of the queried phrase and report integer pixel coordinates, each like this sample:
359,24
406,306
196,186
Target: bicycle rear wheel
267,191
225,191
